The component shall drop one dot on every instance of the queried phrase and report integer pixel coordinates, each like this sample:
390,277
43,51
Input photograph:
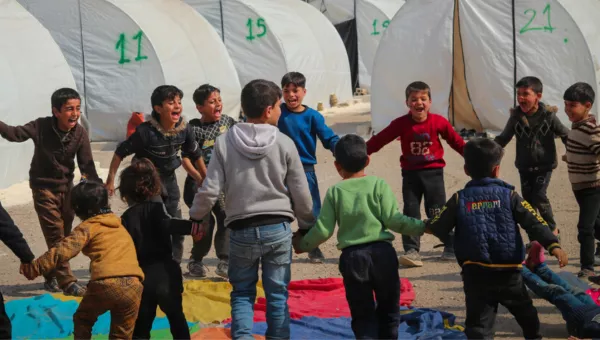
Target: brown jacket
53,161
104,240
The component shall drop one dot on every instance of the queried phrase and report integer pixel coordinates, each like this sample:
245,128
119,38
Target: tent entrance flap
460,112
348,33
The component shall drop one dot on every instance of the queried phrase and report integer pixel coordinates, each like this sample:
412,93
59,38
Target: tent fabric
496,54
267,39
120,50
32,67
347,31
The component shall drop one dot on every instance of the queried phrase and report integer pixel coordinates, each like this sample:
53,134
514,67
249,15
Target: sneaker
197,269
51,285
74,289
585,274
222,269
411,259
448,254
316,256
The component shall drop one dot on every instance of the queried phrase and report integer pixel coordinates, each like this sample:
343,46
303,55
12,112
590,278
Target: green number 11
121,47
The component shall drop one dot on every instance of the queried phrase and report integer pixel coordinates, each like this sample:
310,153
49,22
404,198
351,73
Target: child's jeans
372,268
589,224
271,245
313,186
534,186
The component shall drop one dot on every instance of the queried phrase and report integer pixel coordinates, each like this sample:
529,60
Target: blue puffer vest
486,232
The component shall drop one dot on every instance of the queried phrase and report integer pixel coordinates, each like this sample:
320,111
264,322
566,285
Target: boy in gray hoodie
259,170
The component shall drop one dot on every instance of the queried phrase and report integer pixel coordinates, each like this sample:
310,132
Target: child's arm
322,230
212,186
559,129
130,146
537,229
191,152
508,132
392,218
19,133
295,181
325,133
85,160
12,237
384,137
442,224
454,139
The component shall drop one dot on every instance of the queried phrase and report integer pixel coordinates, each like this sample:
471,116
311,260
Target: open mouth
175,115
419,109
73,120
292,102
218,112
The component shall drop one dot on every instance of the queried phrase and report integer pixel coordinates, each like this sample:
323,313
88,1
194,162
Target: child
365,209
160,139
303,125
58,139
422,163
115,283
536,126
259,170
206,129
147,222
489,247
583,160
577,308
12,237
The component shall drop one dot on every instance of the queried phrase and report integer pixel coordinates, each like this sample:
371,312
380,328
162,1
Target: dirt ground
438,284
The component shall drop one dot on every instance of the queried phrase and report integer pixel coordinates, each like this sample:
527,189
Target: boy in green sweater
365,209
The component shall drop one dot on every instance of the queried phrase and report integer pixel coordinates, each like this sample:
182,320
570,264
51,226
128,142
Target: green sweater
364,208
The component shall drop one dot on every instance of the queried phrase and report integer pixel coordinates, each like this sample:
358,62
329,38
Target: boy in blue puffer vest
488,243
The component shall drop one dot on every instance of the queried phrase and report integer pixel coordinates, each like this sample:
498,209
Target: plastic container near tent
360,31
32,67
267,39
472,52
121,50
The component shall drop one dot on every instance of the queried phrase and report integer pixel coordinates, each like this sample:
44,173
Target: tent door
349,35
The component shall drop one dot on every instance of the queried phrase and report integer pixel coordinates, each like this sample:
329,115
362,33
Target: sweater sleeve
559,129
325,226
212,186
67,249
507,134
384,137
295,180
324,132
19,133
85,160
594,139
131,145
392,218
537,229
443,223
452,137
12,237
190,148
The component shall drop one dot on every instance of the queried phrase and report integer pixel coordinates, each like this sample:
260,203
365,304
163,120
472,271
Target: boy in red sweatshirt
422,163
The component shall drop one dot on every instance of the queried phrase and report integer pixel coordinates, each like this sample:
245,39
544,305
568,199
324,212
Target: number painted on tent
261,28
122,44
384,25
546,28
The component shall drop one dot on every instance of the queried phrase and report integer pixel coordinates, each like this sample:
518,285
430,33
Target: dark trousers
367,269
588,227
217,218
484,290
170,195
416,185
163,286
5,326
534,186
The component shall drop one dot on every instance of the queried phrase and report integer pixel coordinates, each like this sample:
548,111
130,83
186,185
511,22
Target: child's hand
199,230
561,255
28,271
110,187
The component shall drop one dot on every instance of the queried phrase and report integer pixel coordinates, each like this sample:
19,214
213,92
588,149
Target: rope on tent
222,24
86,122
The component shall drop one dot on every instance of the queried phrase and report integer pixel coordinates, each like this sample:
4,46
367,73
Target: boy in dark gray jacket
536,126
259,170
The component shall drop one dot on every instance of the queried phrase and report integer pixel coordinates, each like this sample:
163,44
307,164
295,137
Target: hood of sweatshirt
109,220
252,140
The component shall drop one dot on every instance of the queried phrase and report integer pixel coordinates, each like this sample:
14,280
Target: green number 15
260,24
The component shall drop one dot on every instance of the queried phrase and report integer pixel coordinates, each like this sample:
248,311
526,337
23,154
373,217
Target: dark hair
139,181
203,92
61,96
295,78
580,92
89,198
417,86
481,156
257,95
531,82
162,93
351,153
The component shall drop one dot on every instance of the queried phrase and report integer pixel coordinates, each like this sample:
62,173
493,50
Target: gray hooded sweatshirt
259,170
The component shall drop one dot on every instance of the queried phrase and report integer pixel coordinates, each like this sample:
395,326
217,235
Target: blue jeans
313,186
271,245
549,286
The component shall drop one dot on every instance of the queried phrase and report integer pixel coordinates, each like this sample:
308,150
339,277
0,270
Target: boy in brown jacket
58,139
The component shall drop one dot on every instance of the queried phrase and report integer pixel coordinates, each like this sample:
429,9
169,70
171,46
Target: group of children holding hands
249,180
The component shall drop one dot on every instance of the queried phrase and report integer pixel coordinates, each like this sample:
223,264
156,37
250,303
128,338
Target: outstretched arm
392,218
508,132
325,133
442,224
85,160
384,137
454,139
559,129
19,133
323,229
12,237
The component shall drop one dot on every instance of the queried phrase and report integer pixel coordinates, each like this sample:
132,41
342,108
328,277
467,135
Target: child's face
419,103
211,108
577,111
68,115
273,113
170,110
293,96
528,99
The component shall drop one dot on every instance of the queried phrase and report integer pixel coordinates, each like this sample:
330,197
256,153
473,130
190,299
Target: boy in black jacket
536,126
486,216
12,237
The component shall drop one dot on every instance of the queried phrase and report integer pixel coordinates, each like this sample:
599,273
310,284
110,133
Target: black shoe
51,285
316,256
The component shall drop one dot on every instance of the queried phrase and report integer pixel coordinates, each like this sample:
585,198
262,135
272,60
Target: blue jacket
486,214
304,128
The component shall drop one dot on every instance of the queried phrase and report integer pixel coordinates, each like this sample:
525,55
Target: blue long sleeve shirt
304,128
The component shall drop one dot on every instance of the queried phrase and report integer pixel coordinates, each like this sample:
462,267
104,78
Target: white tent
471,54
372,19
267,39
32,67
120,50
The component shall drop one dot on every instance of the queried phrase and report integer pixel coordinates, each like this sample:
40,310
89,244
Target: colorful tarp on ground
318,309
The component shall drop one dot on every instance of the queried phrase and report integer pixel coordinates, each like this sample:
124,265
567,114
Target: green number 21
546,28
260,23
121,47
